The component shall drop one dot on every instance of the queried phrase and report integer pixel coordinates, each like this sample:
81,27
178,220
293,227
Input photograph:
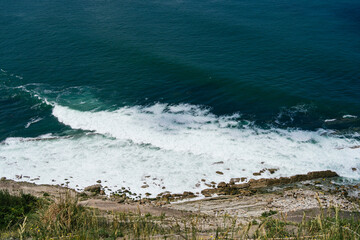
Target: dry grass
66,219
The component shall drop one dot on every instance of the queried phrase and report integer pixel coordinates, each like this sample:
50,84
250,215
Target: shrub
13,209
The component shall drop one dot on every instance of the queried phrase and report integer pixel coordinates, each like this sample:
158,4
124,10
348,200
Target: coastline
310,184
283,199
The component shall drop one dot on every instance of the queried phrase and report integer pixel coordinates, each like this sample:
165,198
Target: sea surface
156,95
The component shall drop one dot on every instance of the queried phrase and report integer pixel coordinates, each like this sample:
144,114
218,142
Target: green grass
26,217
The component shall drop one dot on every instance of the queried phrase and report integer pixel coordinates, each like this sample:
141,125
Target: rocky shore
246,200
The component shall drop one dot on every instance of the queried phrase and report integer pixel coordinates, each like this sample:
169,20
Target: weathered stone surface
254,184
272,170
209,192
234,180
93,188
240,186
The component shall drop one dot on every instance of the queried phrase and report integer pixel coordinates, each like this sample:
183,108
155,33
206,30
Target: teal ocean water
124,90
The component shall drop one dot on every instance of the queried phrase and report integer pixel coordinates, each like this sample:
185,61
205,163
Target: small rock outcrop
233,188
93,188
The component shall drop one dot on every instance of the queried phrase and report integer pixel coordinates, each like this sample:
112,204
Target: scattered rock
221,185
3,179
220,173
145,186
354,169
203,180
256,173
98,181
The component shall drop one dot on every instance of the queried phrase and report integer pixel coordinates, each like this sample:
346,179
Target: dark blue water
260,58
161,87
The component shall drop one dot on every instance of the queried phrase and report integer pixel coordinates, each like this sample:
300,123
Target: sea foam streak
176,146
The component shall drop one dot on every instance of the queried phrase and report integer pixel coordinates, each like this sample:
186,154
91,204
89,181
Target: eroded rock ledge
232,188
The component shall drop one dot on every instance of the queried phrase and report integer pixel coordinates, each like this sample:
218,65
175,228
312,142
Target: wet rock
272,170
222,185
220,173
221,162
208,192
256,173
93,188
188,194
321,174
234,180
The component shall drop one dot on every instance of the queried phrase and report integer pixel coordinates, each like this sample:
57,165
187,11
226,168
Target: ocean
157,95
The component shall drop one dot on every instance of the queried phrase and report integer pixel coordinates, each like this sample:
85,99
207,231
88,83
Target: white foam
330,120
349,116
32,121
177,145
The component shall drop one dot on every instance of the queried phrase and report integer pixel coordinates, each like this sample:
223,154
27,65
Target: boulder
234,180
93,188
208,192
